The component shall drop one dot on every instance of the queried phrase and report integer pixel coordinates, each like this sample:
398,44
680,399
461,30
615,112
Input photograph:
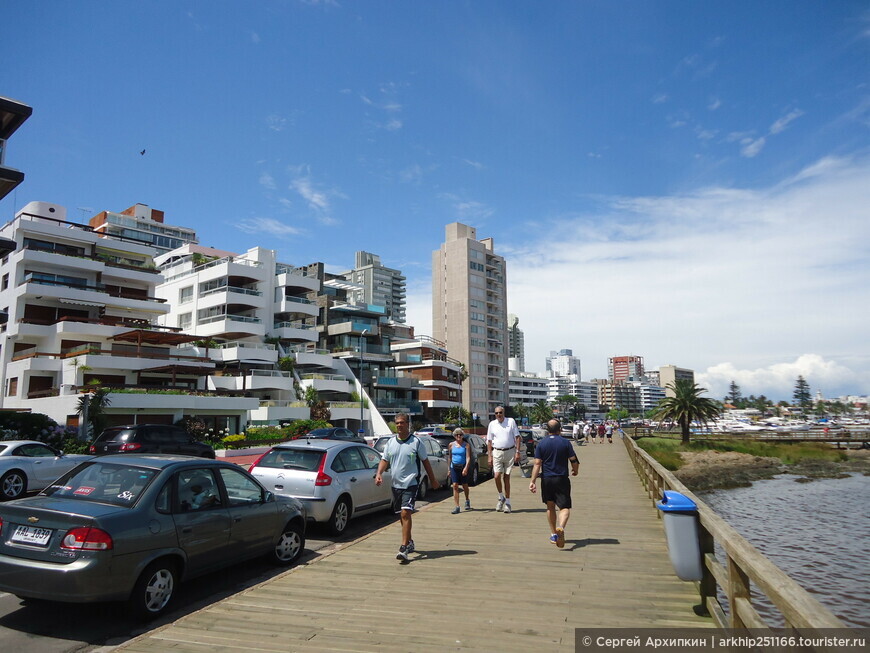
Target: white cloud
777,381
744,277
783,122
267,181
468,210
268,226
276,123
715,103
255,38
318,200
751,147
659,98
474,164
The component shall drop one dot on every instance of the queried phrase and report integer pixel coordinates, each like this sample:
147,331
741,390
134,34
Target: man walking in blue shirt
552,456
404,455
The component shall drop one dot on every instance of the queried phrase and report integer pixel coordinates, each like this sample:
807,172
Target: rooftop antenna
85,211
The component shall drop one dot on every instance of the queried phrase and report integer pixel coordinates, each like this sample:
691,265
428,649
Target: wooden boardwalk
480,580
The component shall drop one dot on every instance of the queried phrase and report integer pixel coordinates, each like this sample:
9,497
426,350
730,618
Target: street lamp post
362,430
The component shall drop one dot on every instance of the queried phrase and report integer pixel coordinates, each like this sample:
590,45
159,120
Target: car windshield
302,459
381,444
320,433
100,482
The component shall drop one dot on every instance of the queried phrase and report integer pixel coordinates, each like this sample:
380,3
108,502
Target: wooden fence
743,568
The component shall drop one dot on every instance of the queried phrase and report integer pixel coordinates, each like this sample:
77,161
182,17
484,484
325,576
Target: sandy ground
708,470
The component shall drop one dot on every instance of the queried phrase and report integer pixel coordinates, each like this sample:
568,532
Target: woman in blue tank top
459,452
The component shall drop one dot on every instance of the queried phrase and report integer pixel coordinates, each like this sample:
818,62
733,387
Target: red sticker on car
84,490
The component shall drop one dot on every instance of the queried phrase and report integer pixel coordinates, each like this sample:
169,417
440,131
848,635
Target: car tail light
131,446
87,539
322,477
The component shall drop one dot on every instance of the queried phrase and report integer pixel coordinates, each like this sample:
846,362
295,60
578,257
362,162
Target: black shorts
456,475
556,489
403,498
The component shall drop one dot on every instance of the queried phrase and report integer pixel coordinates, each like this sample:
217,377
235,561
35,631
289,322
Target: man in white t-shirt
503,444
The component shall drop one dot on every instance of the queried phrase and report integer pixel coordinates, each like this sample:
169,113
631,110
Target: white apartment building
563,363
526,388
469,314
83,313
379,285
439,375
143,224
258,320
585,391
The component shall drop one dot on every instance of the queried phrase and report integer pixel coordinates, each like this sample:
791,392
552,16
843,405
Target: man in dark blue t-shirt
552,456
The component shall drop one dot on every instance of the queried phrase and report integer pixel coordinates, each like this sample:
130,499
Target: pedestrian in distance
459,452
575,431
503,444
403,456
552,456
587,430
608,431
601,431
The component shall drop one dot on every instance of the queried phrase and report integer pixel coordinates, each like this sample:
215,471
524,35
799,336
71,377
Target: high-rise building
12,116
563,363
379,285
527,388
145,225
469,314
670,373
516,345
624,368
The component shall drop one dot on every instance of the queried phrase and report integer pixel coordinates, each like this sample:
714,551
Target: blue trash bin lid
676,502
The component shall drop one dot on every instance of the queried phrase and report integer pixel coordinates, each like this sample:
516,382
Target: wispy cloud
317,199
387,104
783,122
751,146
269,226
659,98
255,38
474,164
267,181
722,276
276,123
467,209
714,104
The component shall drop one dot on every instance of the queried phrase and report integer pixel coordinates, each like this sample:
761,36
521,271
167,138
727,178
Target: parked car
130,527
334,480
481,467
149,438
530,440
28,465
432,430
335,433
437,455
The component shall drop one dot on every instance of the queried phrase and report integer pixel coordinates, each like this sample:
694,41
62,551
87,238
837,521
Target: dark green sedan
130,528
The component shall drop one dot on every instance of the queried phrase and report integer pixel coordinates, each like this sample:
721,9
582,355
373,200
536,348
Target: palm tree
541,412
686,406
92,407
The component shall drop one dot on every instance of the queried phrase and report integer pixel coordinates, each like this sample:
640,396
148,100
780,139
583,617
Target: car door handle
353,479
187,530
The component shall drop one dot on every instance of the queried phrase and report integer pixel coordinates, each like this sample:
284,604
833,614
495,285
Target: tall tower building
469,314
381,286
624,368
668,374
516,345
563,363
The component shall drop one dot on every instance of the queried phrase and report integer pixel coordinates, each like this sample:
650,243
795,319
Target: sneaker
402,555
554,539
560,537
500,505
455,511
410,548
468,505
507,508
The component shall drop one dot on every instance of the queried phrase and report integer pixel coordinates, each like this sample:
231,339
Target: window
348,460
185,295
185,320
241,490
5,283
12,387
197,490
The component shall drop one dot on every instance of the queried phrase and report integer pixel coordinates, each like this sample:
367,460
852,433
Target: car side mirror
268,497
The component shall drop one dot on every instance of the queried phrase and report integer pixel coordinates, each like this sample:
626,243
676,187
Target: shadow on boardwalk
480,580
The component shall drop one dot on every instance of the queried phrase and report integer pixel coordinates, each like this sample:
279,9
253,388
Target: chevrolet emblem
33,520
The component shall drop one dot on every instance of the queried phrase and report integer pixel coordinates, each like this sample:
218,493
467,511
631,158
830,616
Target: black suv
149,438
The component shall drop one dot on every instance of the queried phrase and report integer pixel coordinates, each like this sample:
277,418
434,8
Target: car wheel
154,590
475,476
340,516
13,485
289,546
423,490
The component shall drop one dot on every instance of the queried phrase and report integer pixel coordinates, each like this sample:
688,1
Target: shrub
232,441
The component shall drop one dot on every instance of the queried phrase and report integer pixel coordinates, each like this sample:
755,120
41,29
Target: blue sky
686,181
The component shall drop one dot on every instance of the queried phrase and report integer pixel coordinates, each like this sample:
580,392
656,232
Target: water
818,533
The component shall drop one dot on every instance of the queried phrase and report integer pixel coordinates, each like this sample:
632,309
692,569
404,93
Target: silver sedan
28,465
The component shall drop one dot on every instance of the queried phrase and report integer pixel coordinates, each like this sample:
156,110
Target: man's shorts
456,475
404,497
503,460
556,489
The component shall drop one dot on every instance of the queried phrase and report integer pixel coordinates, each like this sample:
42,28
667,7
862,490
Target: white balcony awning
79,302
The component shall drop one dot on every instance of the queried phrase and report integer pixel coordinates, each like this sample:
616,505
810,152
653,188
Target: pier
484,580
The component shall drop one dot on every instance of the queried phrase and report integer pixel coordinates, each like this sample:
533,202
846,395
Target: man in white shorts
503,443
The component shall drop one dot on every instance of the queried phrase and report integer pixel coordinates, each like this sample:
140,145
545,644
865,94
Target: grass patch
666,450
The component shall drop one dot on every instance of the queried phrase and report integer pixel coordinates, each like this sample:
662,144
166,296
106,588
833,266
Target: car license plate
31,535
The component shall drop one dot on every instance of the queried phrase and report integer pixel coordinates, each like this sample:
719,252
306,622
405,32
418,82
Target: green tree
541,412
801,394
565,403
457,415
686,406
520,411
734,396
96,403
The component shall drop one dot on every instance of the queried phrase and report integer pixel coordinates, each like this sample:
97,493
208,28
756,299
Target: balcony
296,307
244,351
334,383
352,328
295,331
230,326
295,279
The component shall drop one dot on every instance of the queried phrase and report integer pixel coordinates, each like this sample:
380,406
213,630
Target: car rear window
115,435
114,483
301,459
3,447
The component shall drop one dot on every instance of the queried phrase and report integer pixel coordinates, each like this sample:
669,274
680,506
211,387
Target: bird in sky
142,152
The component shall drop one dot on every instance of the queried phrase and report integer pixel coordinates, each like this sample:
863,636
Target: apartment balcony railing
210,264
229,316
240,344
235,289
299,300
293,325
298,349
97,350
323,377
100,287
112,261
429,340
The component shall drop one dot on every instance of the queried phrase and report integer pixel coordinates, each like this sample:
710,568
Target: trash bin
680,515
